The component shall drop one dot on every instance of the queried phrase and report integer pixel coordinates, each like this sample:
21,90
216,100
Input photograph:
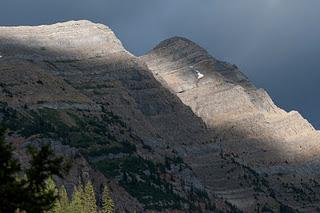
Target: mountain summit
228,102
175,130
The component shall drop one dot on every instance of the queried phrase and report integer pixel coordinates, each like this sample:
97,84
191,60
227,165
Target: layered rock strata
199,128
246,121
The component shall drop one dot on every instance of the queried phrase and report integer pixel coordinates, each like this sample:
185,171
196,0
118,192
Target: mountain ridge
197,130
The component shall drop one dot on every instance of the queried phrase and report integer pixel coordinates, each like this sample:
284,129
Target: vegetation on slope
82,200
97,136
27,190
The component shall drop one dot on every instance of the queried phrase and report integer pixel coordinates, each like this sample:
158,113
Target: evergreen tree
44,165
63,200
76,205
89,200
29,192
51,186
9,185
56,208
107,202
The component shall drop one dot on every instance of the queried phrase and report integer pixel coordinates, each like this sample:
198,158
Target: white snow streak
199,75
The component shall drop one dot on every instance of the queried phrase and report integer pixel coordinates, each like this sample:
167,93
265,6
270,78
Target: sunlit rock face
235,148
63,41
81,68
227,101
246,121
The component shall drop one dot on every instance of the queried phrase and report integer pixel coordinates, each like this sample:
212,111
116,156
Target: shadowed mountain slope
247,122
176,130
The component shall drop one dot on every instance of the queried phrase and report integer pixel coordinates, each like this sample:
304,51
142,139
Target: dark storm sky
274,42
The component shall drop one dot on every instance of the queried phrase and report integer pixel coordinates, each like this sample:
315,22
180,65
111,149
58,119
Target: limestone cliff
247,122
175,130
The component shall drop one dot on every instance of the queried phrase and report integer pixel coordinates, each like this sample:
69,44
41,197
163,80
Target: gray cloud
275,42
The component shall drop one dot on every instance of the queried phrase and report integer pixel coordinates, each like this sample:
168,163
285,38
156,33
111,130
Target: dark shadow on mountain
124,85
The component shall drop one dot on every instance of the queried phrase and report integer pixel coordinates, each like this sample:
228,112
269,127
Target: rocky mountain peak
175,130
179,50
73,40
175,41
224,98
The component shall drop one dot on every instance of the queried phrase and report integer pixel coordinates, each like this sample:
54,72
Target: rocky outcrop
34,86
138,108
247,122
177,129
224,98
74,40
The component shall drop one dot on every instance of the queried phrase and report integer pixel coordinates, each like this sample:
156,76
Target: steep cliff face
247,123
174,130
220,94
133,127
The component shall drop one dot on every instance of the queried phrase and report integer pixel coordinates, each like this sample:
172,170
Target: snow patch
1,56
199,75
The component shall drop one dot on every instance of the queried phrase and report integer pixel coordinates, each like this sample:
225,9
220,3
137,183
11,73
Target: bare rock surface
93,63
226,100
73,40
216,141
247,122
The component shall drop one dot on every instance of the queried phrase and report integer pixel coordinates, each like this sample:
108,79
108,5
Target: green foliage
267,208
9,185
141,178
114,148
286,209
88,198
63,200
89,133
56,208
151,195
107,202
93,136
29,192
83,200
109,168
76,204
51,186
86,130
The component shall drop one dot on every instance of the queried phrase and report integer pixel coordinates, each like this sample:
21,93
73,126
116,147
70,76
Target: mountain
175,130
280,145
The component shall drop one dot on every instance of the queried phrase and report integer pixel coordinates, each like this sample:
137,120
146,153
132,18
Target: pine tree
89,198
51,186
62,205
63,200
76,205
107,202
9,185
27,190
56,208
